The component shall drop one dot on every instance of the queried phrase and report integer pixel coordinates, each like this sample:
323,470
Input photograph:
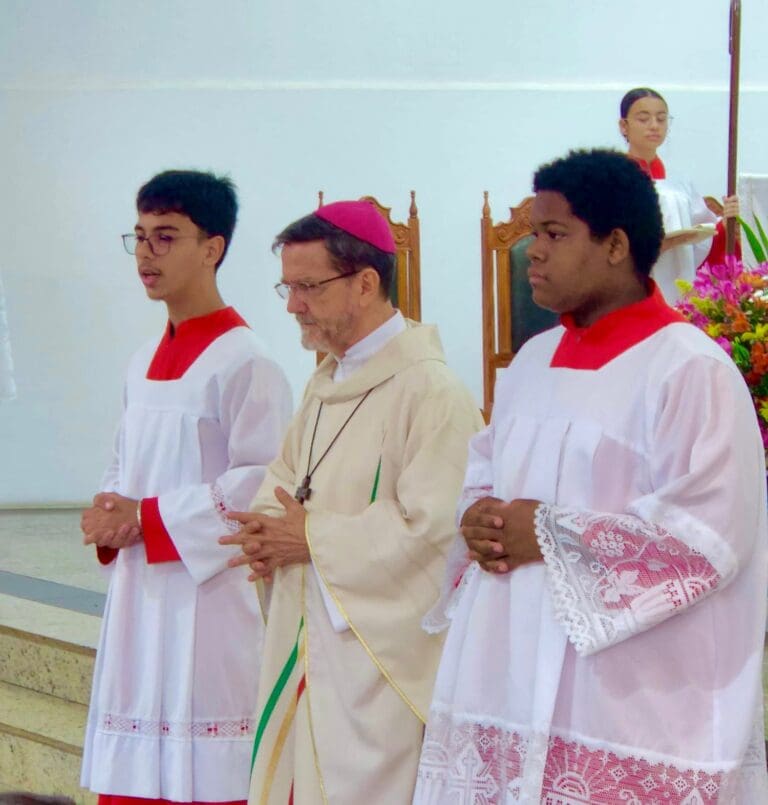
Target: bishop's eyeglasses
285,289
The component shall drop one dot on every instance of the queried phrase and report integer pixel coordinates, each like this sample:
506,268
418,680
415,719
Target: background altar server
606,640
174,690
644,124
375,458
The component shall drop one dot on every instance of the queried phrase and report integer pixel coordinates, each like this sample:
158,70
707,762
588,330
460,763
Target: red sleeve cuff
157,541
106,555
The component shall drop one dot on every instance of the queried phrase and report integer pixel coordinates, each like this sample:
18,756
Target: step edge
50,733
52,642
36,737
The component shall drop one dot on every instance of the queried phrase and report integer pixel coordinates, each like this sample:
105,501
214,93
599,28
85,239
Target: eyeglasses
285,289
159,242
663,119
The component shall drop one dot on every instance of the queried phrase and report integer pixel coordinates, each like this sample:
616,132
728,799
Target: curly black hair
608,190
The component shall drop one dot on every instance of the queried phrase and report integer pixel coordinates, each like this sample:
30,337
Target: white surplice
682,207
174,689
626,667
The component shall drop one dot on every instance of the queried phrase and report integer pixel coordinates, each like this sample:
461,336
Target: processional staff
734,45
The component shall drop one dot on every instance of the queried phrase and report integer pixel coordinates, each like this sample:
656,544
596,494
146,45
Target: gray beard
317,341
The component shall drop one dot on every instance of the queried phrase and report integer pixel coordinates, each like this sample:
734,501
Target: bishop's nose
295,303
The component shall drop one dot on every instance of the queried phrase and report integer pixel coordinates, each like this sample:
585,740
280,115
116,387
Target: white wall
288,97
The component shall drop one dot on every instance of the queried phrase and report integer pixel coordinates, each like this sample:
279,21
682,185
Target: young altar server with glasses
204,410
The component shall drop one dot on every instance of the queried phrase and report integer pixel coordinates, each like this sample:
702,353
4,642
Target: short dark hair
608,190
348,253
635,95
209,201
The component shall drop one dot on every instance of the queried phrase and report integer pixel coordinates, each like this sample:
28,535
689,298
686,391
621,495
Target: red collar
179,349
655,169
594,346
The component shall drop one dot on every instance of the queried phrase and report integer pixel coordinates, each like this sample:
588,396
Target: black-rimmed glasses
159,242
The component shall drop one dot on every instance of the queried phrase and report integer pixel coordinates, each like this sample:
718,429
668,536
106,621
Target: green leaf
761,389
754,242
741,356
763,236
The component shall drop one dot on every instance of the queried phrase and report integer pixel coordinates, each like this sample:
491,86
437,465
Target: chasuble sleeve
281,471
255,404
478,484
383,565
613,575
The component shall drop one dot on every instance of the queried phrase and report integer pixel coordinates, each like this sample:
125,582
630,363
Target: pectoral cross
303,492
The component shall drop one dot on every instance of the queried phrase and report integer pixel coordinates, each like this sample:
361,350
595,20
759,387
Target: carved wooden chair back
510,317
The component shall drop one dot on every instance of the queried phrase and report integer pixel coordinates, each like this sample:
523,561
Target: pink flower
728,302
724,343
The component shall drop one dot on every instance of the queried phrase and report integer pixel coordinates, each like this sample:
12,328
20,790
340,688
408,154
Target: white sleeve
255,406
615,575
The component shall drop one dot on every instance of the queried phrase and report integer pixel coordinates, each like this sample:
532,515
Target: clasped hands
270,542
111,522
501,536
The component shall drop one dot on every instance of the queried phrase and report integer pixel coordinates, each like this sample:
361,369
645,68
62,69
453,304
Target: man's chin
311,342
311,345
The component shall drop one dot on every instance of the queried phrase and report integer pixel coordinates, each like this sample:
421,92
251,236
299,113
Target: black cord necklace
304,491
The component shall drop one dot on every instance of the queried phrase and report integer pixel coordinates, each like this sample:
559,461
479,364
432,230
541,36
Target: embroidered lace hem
112,723
469,763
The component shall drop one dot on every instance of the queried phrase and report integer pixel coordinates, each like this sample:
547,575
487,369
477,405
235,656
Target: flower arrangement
730,303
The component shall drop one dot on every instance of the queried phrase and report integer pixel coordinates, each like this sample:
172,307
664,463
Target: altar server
204,410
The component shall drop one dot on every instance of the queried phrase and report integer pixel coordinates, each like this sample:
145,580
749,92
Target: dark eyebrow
553,222
138,228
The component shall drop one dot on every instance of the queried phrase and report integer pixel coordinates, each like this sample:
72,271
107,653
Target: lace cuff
222,506
613,576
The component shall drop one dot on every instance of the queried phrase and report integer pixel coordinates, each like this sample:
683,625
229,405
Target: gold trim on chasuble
306,693
298,657
357,634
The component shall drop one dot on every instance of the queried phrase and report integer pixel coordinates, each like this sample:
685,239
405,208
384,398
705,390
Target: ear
214,249
618,247
623,129
370,283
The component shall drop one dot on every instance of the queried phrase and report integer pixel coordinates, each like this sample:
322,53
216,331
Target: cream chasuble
341,713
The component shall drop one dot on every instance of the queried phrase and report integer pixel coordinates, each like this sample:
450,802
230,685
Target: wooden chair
510,316
406,286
